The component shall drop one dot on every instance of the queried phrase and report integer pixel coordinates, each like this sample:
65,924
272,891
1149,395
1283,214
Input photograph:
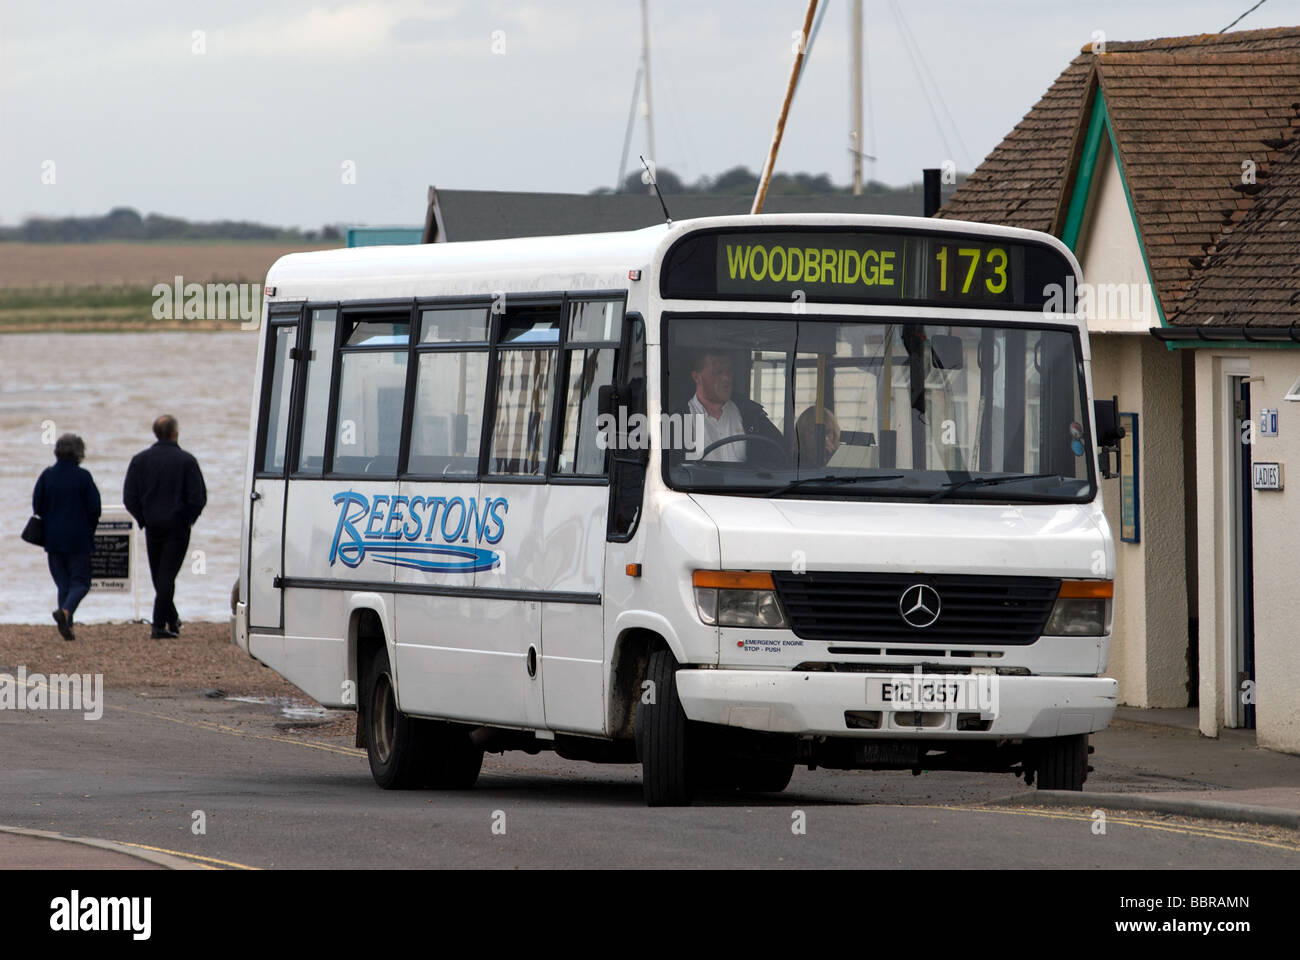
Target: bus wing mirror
1109,433
1106,413
947,352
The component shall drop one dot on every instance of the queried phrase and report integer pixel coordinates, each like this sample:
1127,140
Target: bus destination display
862,267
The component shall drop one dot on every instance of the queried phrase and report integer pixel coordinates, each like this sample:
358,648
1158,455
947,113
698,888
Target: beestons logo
919,606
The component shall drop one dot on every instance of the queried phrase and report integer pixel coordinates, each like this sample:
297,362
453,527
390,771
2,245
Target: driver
715,415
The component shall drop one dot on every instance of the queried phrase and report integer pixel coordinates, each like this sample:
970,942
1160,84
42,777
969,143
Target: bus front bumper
933,706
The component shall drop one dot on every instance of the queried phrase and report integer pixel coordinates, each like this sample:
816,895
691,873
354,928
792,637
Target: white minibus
719,497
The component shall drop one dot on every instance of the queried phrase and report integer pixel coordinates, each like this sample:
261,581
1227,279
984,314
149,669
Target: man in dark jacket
165,493
67,500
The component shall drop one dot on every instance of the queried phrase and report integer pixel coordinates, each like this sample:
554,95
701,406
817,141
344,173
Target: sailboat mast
855,78
645,60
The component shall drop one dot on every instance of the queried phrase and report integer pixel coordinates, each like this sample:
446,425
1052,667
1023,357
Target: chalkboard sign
110,564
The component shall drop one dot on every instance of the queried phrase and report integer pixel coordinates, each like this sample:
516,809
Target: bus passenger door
575,520
266,511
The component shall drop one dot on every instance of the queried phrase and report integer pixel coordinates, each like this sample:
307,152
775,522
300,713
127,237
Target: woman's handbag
34,532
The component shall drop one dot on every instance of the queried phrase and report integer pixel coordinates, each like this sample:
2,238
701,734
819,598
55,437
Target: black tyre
662,738
1063,763
454,761
396,745
406,752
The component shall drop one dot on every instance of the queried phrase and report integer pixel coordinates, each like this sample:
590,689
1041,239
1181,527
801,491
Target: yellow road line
1210,833
189,856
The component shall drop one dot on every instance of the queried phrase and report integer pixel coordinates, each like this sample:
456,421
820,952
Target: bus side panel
487,679
510,628
324,522
458,662
311,653
573,659
267,523
573,667
462,658
439,673
316,664
552,542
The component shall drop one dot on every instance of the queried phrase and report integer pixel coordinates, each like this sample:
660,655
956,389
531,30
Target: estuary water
108,388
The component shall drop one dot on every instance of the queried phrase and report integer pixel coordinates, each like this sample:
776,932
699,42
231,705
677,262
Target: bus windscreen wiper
837,478
987,482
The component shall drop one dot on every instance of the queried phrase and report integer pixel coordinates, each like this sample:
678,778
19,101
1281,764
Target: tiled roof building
1201,126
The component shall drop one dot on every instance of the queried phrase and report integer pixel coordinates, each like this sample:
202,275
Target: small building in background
454,215
458,215
382,236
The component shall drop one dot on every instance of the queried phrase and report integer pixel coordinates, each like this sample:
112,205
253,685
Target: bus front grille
847,608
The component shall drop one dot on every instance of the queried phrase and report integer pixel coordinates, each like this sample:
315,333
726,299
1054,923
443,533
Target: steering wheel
741,436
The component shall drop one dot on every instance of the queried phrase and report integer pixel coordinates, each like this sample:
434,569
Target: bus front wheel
663,744
1062,763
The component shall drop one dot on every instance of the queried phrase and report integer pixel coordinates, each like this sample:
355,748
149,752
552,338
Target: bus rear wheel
407,753
396,745
663,742
454,762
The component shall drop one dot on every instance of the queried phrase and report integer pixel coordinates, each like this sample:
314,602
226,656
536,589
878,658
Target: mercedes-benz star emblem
919,605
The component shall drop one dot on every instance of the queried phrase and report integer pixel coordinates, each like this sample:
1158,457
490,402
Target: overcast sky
261,123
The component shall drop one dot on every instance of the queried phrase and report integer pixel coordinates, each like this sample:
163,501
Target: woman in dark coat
67,500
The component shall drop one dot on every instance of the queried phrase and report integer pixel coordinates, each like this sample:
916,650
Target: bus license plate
930,694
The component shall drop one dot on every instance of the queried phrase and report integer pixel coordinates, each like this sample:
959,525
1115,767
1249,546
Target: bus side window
316,396
590,354
589,370
526,366
450,384
275,418
371,391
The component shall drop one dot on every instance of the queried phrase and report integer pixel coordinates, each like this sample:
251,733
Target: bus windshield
829,407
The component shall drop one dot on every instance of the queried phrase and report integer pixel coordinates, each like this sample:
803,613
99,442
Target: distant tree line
743,181
123,223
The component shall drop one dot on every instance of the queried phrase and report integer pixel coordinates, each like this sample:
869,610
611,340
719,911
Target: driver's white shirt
707,429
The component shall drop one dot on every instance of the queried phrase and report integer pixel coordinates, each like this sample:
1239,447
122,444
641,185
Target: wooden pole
761,194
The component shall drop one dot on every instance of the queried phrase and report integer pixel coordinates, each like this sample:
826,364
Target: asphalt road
152,769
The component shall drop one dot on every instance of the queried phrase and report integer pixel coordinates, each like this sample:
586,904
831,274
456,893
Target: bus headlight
1083,609
725,598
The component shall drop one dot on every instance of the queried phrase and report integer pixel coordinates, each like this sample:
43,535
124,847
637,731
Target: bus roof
573,261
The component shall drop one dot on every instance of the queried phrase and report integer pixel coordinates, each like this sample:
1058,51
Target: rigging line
812,38
680,130
1242,17
627,135
937,91
920,82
